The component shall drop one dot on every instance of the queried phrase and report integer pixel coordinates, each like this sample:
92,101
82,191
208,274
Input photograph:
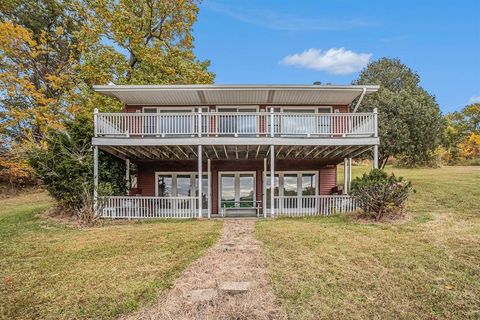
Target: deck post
272,180
127,174
95,180
209,185
95,122
345,176
349,174
272,122
375,147
199,181
264,200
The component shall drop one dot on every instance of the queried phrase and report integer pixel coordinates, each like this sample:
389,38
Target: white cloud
474,99
335,60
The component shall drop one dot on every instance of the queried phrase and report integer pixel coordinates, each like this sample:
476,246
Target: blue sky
299,42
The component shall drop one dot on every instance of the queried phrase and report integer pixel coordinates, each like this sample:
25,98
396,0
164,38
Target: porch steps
240,215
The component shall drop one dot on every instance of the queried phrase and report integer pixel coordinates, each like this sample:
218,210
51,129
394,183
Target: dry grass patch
50,270
424,268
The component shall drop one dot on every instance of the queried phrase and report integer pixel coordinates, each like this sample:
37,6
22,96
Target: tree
461,134
149,41
37,56
53,51
65,165
410,122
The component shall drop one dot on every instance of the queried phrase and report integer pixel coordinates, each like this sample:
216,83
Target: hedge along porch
235,150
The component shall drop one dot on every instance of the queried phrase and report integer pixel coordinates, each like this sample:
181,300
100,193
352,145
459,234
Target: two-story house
220,150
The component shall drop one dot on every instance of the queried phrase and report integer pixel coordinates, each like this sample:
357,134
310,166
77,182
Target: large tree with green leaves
410,122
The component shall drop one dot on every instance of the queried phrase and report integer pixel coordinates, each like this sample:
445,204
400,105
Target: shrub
380,195
65,165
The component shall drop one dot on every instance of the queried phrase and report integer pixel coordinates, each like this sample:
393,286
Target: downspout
360,100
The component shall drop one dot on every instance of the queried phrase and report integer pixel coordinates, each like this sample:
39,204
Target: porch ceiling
231,152
235,94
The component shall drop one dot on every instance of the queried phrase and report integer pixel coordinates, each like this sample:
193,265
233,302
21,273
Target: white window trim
192,109
253,106
282,108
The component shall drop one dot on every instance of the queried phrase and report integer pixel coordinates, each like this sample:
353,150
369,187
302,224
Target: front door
237,190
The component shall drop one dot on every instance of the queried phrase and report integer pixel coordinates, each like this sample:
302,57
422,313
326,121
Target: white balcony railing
134,207
301,206
213,124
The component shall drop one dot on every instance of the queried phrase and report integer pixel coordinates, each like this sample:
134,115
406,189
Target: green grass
50,270
424,268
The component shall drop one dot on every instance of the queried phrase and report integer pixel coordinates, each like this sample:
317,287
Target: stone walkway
228,282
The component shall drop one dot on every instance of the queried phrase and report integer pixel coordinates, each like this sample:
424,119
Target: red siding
328,179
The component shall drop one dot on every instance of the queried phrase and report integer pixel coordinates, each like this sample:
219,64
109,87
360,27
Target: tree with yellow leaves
53,51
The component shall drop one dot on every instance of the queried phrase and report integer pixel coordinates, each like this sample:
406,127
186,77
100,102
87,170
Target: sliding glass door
237,190
235,121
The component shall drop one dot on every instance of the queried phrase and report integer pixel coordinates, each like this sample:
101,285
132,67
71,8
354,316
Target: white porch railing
301,206
131,207
214,124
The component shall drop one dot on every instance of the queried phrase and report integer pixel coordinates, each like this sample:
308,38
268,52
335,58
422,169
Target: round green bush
380,195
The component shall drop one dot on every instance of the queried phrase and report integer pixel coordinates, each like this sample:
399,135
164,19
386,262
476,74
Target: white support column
375,148
209,184
199,181
349,174
199,126
95,179
95,122
127,174
272,180
345,176
264,185
272,122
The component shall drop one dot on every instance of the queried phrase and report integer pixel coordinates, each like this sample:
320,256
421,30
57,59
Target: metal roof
235,94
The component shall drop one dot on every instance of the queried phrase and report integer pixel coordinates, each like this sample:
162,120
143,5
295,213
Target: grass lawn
425,268
52,271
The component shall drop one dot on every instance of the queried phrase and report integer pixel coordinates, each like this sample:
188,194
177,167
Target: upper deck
253,125
237,115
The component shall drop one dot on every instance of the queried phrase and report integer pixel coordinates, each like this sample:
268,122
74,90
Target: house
236,138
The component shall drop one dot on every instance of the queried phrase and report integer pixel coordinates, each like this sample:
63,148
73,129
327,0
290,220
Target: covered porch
236,180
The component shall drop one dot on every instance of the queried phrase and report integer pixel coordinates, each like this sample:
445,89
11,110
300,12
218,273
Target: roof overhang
197,95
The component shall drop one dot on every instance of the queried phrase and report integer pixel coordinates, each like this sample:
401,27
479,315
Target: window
182,184
276,186
294,188
181,123
205,191
234,120
301,120
164,186
324,122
